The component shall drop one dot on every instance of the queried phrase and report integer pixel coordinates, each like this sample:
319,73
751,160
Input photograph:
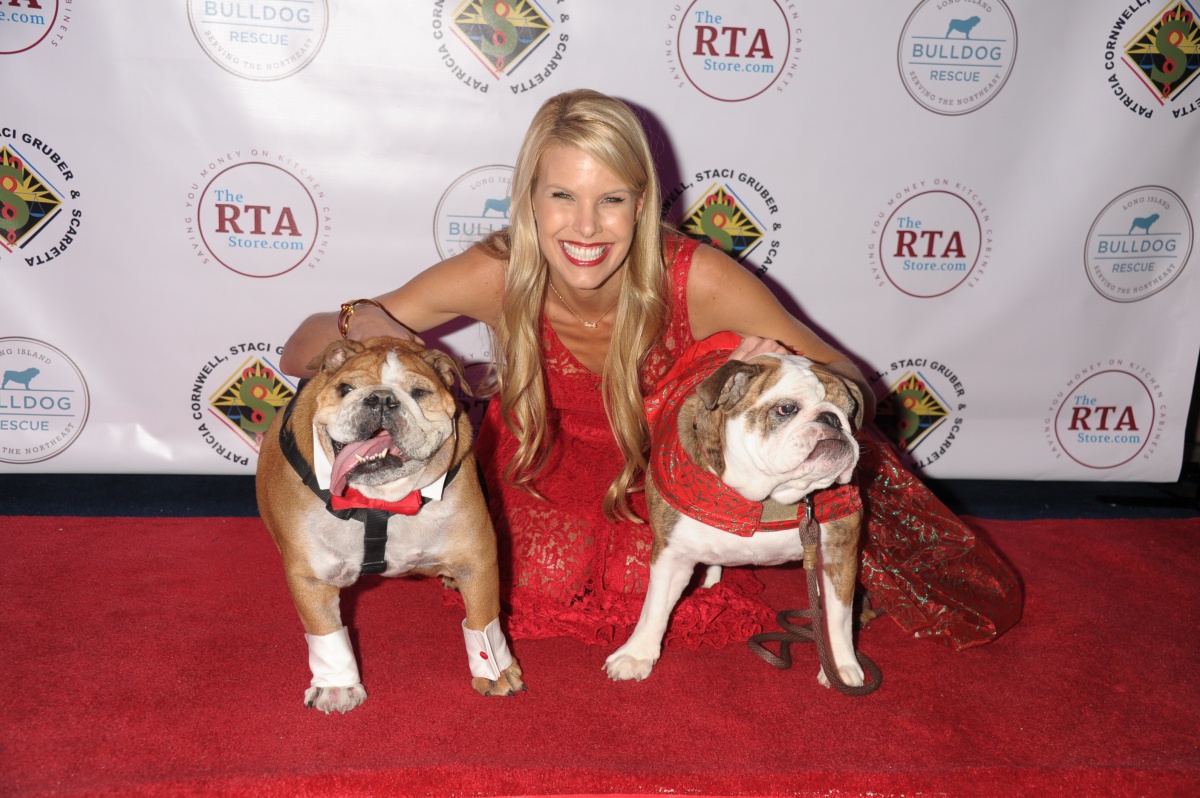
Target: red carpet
163,657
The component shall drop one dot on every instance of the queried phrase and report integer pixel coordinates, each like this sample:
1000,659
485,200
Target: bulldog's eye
786,409
344,389
420,393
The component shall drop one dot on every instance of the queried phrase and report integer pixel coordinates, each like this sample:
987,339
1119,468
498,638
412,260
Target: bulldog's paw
622,666
851,676
330,699
509,682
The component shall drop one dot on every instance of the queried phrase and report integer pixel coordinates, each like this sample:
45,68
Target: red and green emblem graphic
724,220
501,34
248,402
909,411
1166,53
27,203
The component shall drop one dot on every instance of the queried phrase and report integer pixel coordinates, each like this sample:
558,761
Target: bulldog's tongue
352,454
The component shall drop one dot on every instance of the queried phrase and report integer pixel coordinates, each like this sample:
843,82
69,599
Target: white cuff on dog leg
331,660
487,651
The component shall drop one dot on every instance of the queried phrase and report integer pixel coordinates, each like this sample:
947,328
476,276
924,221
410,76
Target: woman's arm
470,284
722,295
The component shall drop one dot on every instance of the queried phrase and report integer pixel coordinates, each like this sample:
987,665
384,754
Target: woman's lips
584,254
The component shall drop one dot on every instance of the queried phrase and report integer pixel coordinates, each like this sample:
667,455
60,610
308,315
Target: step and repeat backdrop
990,204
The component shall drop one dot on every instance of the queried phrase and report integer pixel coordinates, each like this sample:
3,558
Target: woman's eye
344,389
560,195
786,409
614,200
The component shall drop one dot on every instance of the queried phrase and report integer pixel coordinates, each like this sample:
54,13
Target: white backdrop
989,205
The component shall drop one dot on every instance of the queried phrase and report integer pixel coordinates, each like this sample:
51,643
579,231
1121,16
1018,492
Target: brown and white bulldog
370,470
737,445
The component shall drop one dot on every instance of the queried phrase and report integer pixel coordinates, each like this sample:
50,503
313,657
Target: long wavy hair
607,130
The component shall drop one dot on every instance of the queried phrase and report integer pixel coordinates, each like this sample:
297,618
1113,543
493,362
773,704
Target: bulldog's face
384,410
778,426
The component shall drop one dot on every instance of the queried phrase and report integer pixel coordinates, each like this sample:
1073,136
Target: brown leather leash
812,632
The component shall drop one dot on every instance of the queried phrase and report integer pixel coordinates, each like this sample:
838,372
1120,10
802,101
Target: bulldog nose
382,399
830,420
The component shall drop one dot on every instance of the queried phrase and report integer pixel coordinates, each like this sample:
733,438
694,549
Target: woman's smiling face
585,219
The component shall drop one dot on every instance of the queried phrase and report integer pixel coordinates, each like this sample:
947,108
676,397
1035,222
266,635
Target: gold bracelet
348,309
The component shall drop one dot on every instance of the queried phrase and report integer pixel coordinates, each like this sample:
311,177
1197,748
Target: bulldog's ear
727,385
335,355
448,368
843,393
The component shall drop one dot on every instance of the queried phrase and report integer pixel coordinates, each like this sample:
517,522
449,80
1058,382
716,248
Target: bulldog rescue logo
1139,244
260,215
44,401
932,237
730,209
40,215
1152,57
484,43
234,397
1109,414
476,204
733,51
919,408
261,39
956,55
25,24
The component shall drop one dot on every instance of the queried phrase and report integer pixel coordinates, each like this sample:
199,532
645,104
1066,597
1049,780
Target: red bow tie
353,500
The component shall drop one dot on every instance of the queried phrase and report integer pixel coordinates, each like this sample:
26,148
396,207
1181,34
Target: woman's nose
587,221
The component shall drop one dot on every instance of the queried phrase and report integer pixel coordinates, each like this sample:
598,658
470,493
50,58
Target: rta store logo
1152,58
956,55
24,24
1108,415
733,50
518,44
236,395
934,236
39,216
732,210
919,408
476,204
1139,244
43,401
260,40
259,217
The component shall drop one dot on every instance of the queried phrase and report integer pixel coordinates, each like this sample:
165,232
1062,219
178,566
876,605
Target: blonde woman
590,300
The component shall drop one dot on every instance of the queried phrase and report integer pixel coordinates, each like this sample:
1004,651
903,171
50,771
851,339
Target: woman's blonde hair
607,130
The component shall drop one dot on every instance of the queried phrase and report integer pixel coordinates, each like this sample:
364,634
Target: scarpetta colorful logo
235,396
932,237
39,216
1139,244
730,209
261,39
260,216
485,43
1109,414
1152,58
44,401
919,408
476,204
956,55
25,24
733,51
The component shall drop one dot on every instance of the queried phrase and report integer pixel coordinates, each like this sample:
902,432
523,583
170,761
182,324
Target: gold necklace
591,325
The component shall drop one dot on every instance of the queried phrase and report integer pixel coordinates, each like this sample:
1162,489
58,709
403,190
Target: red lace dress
567,571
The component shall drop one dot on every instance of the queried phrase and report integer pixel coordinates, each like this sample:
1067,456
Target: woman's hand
752,346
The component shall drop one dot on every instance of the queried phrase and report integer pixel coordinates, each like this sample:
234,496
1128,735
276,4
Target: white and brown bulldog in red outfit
370,470
734,444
